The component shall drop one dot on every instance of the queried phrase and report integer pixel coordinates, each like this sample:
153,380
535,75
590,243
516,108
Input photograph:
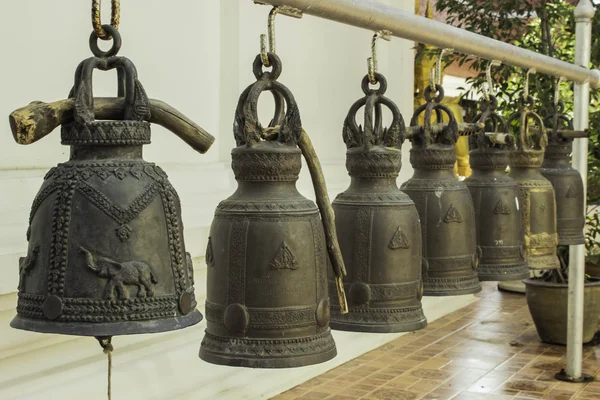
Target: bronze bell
495,197
567,182
443,202
536,195
267,304
106,251
381,243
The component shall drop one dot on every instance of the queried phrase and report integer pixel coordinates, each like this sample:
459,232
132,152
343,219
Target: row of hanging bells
107,256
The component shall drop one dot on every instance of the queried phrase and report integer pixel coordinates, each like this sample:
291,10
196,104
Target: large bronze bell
381,243
267,304
495,197
106,251
567,182
536,195
443,202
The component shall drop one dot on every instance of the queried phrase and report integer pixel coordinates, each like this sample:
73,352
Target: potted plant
547,297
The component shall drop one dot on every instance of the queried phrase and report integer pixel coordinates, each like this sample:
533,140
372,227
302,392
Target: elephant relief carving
25,265
121,274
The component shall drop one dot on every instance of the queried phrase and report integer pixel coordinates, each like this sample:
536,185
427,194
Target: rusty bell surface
495,197
567,182
444,204
381,232
106,252
536,194
267,304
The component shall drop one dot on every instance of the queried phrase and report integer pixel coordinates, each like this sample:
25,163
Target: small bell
381,243
495,196
567,182
536,196
267,301
106,251
445,207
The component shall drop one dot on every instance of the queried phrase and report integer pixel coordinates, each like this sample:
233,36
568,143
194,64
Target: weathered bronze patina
536,195
444,204
267,300
106,251
567,182
381,240
495,197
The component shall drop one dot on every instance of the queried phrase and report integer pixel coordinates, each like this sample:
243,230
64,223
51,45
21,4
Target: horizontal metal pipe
374,16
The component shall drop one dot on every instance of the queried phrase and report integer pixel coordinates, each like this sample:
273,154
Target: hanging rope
105,342
372,61
115,17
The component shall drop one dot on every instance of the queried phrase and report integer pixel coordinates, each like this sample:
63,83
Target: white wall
195,55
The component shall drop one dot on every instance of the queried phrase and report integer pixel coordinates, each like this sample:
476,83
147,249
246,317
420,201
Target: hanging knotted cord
115,17
105,342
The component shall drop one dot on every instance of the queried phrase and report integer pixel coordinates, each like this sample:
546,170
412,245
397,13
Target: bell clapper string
488,86
372,61
105,342
115,18
284,10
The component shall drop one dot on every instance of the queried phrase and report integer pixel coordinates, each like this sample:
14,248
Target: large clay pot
548,303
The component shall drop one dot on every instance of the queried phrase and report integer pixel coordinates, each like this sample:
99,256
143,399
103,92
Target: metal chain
115,17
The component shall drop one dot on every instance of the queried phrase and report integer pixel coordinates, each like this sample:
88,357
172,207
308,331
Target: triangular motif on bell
284,259
502,208
210,261
452,215
571,193
399,240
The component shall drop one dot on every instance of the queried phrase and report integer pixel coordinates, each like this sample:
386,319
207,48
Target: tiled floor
488,350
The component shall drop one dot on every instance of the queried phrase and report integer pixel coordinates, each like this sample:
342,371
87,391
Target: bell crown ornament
381,244
374,151
567,182
267,275
106,251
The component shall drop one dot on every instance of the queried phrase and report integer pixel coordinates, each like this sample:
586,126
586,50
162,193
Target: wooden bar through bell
106,251
381,240
496,199
444,203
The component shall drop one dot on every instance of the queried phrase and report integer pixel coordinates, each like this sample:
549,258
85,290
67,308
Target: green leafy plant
546,27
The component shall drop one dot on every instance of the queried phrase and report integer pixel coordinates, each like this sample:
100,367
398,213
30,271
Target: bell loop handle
529,139
116,44
494,124
115,19
426,135
373,133
136,101
247,128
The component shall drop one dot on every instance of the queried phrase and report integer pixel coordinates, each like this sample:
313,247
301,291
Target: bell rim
373,327
273,362
106,328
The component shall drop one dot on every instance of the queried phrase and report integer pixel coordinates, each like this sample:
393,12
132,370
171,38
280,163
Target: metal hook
557,91
435,75
530,71
372,61
488,86
284,10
